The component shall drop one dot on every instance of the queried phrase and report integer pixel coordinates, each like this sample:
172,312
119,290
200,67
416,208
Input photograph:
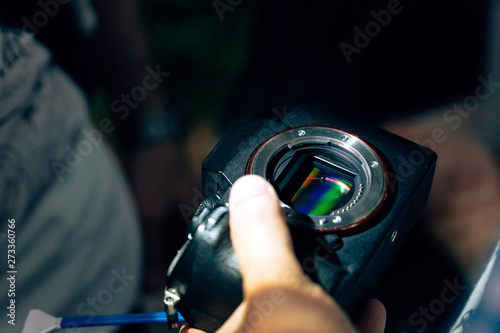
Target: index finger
260,236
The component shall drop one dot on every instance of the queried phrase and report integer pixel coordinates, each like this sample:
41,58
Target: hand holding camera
349,193
278,296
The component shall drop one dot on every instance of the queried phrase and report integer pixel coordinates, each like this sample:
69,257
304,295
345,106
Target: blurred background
234,61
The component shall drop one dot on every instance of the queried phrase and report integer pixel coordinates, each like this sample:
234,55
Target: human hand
278,296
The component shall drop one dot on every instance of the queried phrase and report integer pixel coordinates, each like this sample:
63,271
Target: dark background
269,54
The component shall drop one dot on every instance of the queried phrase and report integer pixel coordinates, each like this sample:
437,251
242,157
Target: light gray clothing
78,242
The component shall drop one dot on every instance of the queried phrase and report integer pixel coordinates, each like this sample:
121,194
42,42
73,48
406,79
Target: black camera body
350,192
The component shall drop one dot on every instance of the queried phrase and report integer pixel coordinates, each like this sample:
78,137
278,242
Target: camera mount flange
349,164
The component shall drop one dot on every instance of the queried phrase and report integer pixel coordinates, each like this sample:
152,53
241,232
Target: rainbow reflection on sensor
320,193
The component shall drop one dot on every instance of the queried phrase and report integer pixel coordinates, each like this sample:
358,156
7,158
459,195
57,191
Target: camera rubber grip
207,260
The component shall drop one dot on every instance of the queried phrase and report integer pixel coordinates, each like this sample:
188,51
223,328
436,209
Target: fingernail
246,187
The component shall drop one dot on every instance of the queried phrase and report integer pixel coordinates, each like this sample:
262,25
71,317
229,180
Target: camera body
350,193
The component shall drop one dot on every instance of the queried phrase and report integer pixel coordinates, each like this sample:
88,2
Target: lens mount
327,179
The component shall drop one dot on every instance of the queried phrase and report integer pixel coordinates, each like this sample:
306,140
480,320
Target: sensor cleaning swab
39,321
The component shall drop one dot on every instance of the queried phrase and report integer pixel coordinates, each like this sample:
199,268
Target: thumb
259,234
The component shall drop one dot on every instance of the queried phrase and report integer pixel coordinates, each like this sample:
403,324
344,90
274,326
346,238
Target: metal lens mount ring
368,186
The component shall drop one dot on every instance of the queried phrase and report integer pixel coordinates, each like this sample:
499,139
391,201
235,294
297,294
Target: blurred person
78,242
463,213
